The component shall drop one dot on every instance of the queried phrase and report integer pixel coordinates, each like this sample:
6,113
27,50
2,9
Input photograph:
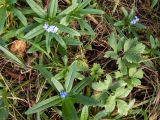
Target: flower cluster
51,28
135,20
63,94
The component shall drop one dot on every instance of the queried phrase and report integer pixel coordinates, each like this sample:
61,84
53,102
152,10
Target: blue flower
135,20
63,94
52,28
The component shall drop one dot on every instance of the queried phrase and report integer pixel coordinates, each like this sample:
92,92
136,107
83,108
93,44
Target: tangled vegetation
79,60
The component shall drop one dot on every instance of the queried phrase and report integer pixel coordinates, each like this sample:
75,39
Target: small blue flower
135,20
52,28
63,94
45,26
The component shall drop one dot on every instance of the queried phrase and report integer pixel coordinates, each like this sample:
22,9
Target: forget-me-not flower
135,20
51,28
63,94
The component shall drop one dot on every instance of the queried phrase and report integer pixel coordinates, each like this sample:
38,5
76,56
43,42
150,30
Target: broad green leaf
139,48
140,26
4,113
11,56
128,44
100,86
68,110
68,10
2,17
138,74
68,30
100,115
36,8
132,71
34,32
113,42
20,16
111,54
122,92
110,104
152,42
84,113
84,100
135,81
122,66
118,74
52,10
122,107
90,11
57,84
50,102
133,57
59,39
70,77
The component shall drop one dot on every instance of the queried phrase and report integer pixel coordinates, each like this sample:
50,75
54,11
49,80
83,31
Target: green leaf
52,10
122,66
100,86
80,86
34,32
3,113
59,39
20,16
111,54
48,41
57,84
152,42
122,107
2,17
132,71
50,102
90,11
12,57
68,10
135,81
83,4
84,113
154,2
113,42
122,92
70,77
119,23
84,100
110,104
68,110
36,8
68,30
72,41
139,74
124,12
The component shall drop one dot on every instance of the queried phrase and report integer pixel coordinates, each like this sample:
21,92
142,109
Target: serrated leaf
152,42
50,102
122,66
111,54
135,81
110,104
132,71
122,107
84,113
133,57
139,74
113,42
36,8
122,92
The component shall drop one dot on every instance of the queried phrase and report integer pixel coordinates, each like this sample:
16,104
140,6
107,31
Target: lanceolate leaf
2,17
84,113
36,8
53,8
90,11
57,84
34,32
20,16
50,102
70,77
11,56
59,39
68,110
